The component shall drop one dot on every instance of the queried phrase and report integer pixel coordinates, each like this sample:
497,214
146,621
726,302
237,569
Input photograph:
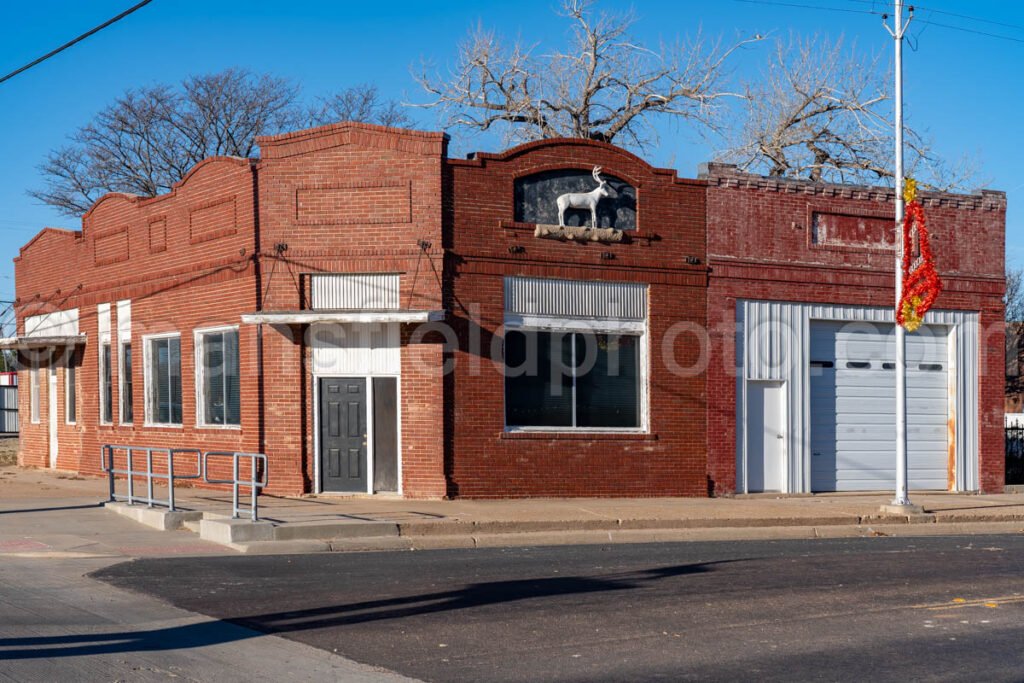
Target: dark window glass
220,378
607,380
572,380
106,390
127,413
165,372
538,379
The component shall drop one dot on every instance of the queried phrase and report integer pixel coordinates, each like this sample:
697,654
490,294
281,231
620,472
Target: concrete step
191,525
327,531
158,518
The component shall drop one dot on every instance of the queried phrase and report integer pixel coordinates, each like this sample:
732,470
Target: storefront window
572,380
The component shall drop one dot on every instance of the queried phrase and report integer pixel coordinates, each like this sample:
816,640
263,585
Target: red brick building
379,318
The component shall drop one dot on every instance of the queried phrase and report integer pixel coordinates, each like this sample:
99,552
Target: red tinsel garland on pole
921,286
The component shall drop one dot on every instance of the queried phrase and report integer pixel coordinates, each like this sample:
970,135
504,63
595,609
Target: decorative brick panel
158,236
371,203
212,220
111,246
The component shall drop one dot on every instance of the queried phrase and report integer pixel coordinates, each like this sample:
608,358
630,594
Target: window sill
222,428
150,425
578,435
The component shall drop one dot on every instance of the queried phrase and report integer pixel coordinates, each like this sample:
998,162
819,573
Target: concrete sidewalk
324,523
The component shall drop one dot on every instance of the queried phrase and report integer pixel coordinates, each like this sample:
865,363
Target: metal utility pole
902,498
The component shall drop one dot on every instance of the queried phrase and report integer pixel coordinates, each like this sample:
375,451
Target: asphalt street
57,625
880,609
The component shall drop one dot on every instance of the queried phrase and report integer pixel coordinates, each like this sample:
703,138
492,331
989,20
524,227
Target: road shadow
239,628
473,595
172,638
90,506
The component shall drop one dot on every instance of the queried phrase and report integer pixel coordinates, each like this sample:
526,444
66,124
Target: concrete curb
265,537
595,537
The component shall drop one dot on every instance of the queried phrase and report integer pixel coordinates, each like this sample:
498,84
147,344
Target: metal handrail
253,484
107,453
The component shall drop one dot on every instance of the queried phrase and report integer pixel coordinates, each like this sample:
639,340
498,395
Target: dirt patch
8,451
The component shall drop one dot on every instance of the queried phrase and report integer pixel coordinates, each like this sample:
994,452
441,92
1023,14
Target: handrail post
109,451
170,479
131,478
234,487
252,487
149,477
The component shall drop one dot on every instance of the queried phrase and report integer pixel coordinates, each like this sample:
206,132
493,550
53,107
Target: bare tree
358,103
603,86
1013,299
822,112
149,138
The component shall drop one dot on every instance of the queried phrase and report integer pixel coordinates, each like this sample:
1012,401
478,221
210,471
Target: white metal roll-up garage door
853,403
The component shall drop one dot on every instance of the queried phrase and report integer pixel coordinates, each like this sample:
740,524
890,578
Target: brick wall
761,246
237,236
185,260
351,198
485,460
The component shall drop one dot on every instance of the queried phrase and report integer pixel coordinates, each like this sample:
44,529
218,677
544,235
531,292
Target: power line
79,39
967,17
978,19
801,6
975,31
875,3
916,7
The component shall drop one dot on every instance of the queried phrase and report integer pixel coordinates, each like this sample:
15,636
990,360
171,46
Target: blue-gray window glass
220,378
127,413
165,375
106,390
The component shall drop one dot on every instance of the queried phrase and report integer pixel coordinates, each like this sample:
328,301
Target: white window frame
123,309
70,391
102,366
540,323
197,338
121,378
147,381
33,395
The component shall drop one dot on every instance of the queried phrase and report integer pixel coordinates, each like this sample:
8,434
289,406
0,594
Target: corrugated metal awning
307,317
28,343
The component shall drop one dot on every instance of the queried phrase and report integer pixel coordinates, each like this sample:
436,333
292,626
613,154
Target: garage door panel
853,435
857,407
869,392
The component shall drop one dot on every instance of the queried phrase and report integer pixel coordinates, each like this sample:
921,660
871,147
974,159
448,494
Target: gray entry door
343,434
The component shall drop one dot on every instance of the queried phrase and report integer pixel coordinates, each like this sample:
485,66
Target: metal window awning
363,316
41,342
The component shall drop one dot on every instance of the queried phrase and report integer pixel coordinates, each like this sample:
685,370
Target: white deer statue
584,200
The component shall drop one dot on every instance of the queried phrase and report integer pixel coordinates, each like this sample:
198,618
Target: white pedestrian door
51,401
853,405
766,439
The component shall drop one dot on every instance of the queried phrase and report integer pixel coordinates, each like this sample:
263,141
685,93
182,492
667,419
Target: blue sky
964,89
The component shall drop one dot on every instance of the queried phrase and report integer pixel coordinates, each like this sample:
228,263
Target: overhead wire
805,6
79,39
925,22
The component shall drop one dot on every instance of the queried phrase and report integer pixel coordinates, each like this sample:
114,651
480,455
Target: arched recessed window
535,197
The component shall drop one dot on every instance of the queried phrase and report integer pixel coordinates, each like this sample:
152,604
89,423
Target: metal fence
1015,454
145,470
150,464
